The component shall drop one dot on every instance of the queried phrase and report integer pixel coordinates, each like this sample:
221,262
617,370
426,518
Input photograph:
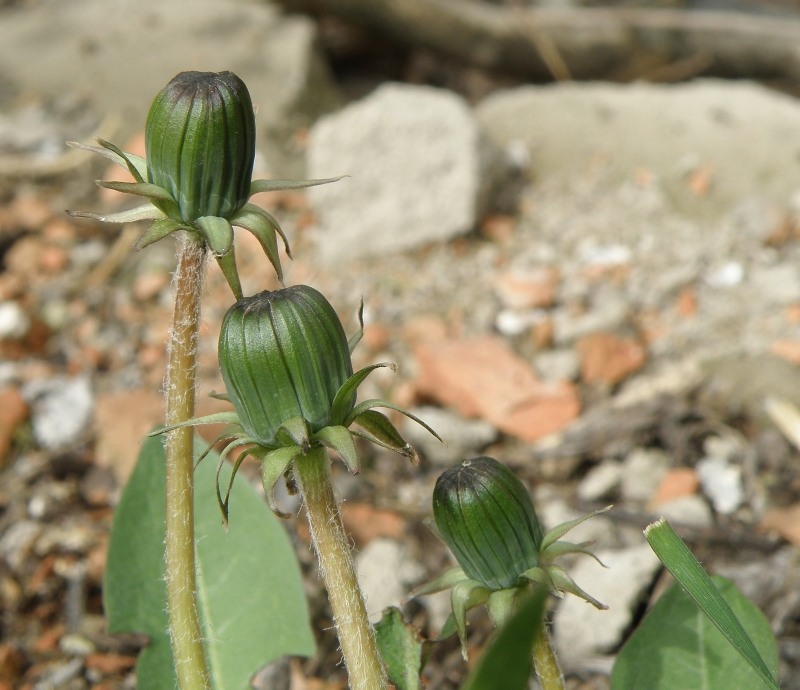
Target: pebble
582,632
74,644
61,410
691,511
643,470
727,275
386,572
14,321
17,542
722,483
601,481
462,437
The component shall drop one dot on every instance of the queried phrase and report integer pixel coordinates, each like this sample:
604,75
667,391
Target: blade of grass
688,572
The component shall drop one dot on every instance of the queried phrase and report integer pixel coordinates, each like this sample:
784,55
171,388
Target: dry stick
545,662
184,624
590,43
356,636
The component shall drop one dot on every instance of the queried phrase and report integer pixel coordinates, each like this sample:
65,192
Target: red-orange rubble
484,378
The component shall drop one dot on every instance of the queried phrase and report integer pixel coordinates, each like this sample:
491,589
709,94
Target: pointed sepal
274,465
466,595
257,186
340,440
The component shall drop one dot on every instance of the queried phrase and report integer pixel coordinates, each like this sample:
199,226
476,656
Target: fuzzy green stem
184,624
545,662
356,636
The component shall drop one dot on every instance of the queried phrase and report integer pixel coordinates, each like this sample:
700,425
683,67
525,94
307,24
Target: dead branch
539,44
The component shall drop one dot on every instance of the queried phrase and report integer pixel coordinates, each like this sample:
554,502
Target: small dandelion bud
283,355
485,515
200,140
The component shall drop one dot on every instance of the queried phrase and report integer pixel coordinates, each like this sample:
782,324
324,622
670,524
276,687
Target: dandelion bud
283,356
200,139
485,515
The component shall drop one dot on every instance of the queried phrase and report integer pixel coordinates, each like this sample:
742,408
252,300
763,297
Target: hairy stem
356,636
546,663
184,624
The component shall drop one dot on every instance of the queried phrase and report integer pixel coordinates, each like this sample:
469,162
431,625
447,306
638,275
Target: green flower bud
200,140
485,515
283,356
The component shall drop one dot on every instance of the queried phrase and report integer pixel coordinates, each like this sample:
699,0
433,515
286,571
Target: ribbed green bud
283,356
200,139
485,515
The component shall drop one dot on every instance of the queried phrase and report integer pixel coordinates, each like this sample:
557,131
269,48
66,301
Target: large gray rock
117,55
420,172
743,134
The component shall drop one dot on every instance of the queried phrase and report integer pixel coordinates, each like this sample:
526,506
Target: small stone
462,437
727,275
14,321
691,511
535,288
607,358
512,322
643,470
73,644
722,483
601,481
18,541
583,632
61,410
386,572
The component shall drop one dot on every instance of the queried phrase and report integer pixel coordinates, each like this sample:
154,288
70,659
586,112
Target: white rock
386,573
581,632
419,171
14,321
462,437
722,483
643,470
729,274
61,410
693,511
601,481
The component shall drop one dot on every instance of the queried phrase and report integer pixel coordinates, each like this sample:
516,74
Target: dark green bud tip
200,139
283,356
485,515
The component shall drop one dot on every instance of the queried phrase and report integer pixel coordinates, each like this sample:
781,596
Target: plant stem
546,663
356,636
184,624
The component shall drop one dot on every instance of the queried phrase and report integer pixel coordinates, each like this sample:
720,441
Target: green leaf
250,594
506,663
685,568
401,650
677,647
